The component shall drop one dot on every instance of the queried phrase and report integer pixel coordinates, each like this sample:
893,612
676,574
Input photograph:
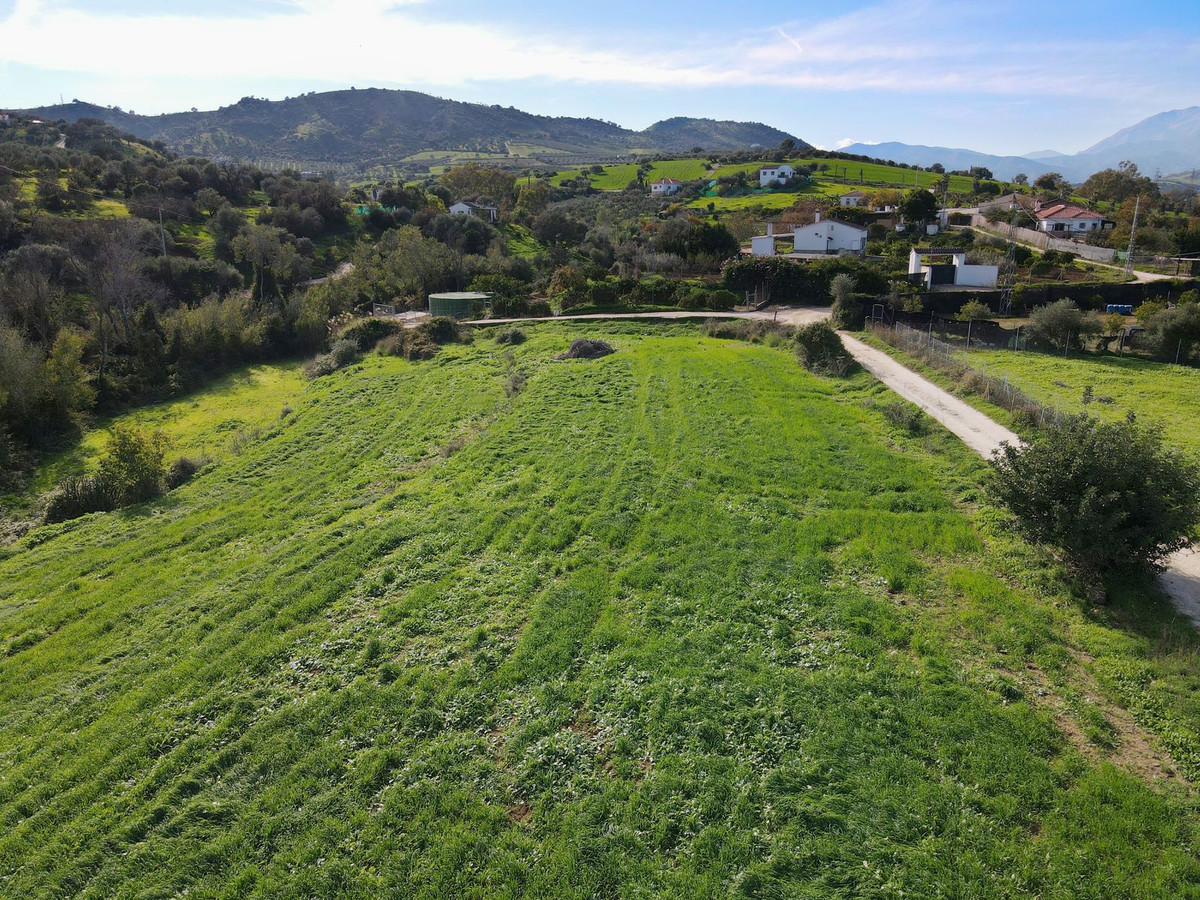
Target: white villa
1067,217
768,175
854,198
830,236
664,187
466,208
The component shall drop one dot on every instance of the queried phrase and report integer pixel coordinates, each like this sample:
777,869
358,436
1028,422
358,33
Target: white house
1067,217
854,198
830,236
768,175
664,187
945,267
466,208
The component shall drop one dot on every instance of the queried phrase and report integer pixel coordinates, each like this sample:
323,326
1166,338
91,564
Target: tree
972,310
259,245
1121,183
1109,495
1021,178
919,206
1176,331
847,312
1061,324
1051,183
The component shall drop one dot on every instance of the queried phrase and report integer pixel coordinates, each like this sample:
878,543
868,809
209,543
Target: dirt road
976,430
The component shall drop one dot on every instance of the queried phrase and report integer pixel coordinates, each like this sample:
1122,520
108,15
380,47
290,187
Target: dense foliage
1109,495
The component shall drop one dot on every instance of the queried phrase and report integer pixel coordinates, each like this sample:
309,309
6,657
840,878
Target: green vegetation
1108,494
1155,392
685,621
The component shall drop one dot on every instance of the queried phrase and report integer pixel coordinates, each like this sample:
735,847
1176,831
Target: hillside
624,632
370,127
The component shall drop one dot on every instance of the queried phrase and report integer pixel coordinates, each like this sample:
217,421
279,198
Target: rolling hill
371,127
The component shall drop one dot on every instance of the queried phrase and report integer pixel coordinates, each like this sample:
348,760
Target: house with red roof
1063,218
665,187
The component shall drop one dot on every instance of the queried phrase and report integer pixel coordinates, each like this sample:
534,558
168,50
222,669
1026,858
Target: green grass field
684,621
1162,393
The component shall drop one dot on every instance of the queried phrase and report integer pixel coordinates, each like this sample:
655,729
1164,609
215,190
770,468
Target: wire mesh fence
999,389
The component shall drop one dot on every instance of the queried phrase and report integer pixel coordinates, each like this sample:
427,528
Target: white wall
828,237
782,173
976,276
763,245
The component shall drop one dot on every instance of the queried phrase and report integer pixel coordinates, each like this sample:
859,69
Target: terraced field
683,621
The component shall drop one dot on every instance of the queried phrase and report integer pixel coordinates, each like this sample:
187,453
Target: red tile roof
1066,211
668,181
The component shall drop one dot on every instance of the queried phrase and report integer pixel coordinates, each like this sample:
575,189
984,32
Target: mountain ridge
375,126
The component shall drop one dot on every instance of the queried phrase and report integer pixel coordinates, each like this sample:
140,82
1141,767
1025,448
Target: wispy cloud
889,46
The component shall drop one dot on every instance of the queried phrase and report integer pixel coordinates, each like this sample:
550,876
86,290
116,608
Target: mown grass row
683,621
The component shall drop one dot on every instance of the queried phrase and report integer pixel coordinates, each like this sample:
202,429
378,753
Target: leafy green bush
367,333
343,353
1109,495
821,351
131,471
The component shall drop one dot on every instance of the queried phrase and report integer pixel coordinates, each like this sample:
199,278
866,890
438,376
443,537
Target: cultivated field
684,621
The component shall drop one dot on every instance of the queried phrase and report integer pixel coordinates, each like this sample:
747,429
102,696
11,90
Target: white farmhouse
940,267
1067,217
768,175
830,236
664,187
466,208
854,198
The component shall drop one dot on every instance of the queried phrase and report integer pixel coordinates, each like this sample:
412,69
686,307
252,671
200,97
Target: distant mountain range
1168,143
370,127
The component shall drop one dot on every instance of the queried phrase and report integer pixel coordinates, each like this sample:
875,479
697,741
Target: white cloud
891,46
846,142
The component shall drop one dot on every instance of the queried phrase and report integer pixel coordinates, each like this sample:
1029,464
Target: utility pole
1009,274
162,235
1132,237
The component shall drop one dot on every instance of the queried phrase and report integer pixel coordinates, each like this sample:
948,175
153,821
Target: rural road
1181,580
972,427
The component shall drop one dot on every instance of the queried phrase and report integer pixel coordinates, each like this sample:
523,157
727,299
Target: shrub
344,352
1110,496
132,465
320,366
182,470
821,351
510,336
131,471
392,345
906,416
753,330
367,333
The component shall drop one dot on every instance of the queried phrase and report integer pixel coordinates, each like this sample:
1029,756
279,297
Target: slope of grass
1163,393
683,621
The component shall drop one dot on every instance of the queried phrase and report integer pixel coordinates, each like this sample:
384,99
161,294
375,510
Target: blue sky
1007,76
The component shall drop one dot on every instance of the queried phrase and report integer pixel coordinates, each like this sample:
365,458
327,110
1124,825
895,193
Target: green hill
684,621
364,128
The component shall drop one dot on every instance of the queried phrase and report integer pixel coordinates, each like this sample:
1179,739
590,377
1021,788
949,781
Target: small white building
773,174
830,236
944,268
466,208
854,198
664,187
1067,217
762,245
